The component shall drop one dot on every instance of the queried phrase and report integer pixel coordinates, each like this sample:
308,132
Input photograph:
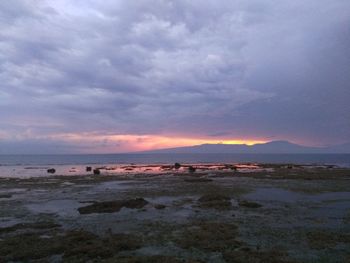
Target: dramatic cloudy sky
117,75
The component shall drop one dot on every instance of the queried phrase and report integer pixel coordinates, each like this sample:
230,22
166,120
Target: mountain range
273,147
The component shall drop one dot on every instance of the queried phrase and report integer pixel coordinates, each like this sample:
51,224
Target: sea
27,166
99,159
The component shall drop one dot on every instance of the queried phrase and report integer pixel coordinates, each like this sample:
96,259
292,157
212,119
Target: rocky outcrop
192,169
177,166
112,206
249,204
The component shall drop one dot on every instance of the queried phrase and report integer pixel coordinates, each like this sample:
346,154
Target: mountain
275,147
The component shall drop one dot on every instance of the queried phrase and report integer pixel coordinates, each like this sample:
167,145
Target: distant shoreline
134,169
103,159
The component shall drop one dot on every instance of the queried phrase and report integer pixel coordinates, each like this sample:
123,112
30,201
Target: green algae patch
37,225
209,236
74,246
112,206
28,246
215,201
82,245
326,239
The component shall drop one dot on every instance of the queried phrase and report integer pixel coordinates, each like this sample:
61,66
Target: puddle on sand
332,196
281,195
328,207
114,185
274,194
13,191
60,207
334,207
164,200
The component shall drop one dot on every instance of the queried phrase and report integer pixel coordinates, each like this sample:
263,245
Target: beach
241,212
163,131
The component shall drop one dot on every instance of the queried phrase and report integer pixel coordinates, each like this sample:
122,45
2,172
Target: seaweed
112,206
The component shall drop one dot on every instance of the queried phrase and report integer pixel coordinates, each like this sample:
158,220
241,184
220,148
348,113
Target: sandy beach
156,213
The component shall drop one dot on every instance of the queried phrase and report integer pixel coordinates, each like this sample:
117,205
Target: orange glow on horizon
130,143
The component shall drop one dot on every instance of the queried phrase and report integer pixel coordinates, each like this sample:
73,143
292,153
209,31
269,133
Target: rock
88,168
5,195
135,203
97,171
112,206
166,167
51,171
191,169
177,166
249,204
101,207
231,167
159,206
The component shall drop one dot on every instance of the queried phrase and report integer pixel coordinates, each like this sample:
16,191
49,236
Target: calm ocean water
339,159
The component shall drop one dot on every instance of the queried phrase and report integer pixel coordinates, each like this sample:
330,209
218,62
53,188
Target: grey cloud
237,68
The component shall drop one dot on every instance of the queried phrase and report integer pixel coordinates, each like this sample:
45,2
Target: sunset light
128,143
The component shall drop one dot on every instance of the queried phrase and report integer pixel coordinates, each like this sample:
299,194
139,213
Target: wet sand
156,213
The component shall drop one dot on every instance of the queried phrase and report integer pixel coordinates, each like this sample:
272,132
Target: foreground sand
264,213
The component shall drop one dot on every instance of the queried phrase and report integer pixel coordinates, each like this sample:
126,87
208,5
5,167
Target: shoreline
277,213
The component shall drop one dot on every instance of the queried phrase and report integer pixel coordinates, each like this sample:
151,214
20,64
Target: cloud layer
220,69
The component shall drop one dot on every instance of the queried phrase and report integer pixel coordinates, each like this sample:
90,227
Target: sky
90,76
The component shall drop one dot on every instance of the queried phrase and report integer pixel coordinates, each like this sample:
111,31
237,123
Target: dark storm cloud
242,69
